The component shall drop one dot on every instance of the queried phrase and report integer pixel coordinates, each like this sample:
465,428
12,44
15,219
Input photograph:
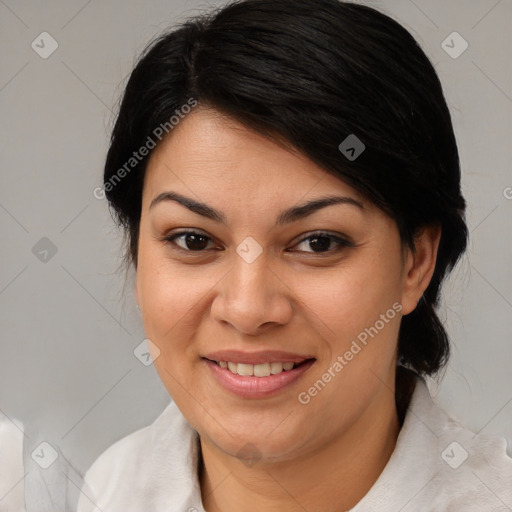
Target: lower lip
257,387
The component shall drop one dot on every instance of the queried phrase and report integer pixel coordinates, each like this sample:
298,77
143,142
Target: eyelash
342,243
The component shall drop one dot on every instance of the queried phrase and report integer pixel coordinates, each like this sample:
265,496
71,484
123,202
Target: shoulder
475,468
132,472
439,465
469,471
11,466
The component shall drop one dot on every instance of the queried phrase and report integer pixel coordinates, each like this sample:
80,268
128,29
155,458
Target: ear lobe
419,266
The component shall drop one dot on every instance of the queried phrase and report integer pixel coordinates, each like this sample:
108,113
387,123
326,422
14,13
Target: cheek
169,298
170,314
353,296
360,304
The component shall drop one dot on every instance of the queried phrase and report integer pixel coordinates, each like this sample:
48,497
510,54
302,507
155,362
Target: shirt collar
420,429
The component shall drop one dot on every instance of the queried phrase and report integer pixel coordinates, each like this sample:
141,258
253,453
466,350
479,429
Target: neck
331,478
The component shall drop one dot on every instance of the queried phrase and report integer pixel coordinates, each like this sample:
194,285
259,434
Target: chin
266,441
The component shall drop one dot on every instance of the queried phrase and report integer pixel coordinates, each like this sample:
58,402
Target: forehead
209,153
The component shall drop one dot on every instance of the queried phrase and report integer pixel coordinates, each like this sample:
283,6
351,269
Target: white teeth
276,368
258,370
245,369
262,370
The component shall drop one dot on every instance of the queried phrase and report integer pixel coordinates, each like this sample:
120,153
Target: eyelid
341,240
171,236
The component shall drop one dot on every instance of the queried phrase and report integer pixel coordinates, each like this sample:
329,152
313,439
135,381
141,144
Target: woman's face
257,285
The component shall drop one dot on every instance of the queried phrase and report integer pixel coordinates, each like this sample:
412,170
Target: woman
288,180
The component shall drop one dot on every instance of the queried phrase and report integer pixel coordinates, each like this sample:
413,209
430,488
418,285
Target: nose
252,297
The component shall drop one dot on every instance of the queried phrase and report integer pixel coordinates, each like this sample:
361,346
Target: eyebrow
289,215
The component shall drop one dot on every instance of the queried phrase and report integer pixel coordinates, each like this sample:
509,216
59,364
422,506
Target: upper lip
265,356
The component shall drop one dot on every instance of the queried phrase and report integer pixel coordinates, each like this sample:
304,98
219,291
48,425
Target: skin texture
320,456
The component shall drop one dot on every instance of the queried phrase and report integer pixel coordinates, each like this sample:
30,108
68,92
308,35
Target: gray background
68,327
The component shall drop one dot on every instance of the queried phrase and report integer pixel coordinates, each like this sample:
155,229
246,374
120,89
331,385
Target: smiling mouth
259,370
257,375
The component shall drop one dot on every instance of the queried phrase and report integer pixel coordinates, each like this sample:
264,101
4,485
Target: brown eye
190,241
321,243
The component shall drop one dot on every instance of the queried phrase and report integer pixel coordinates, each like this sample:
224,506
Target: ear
419,266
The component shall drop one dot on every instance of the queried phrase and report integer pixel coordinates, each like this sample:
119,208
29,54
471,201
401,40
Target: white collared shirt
12,497
437,466
34,475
